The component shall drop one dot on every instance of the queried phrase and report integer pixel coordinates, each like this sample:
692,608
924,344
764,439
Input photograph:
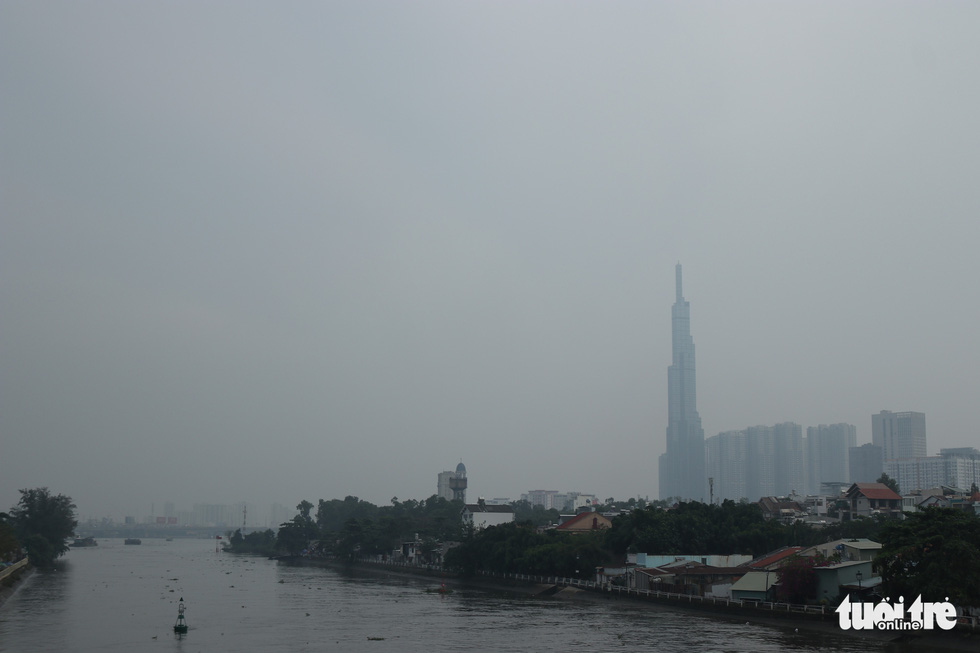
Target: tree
9,544
43,524
890,482
304,507
293,536
798,580
935,553
260,542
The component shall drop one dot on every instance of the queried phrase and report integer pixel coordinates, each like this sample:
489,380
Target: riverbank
12,581
824,625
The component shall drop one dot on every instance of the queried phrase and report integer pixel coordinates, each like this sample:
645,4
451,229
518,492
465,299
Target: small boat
84,541
133,540
180,627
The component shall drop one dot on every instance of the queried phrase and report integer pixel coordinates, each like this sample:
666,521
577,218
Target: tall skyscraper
900,435
760,462
867,463
827,457
727,465
682,468
787,440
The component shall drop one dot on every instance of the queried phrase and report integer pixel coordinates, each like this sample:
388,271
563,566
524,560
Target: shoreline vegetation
934,553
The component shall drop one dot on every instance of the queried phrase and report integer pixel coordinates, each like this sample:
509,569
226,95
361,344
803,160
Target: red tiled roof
600,523
876,491
776,557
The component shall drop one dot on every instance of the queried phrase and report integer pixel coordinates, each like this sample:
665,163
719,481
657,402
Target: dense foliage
9,544
260,542
935,553
699,528
351,527
43,523
524,511
520,548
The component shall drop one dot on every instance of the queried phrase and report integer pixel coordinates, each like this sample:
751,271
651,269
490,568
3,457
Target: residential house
585,522
754,586
776,559
867,499
853,577
785,510
652,560
651,578
845,550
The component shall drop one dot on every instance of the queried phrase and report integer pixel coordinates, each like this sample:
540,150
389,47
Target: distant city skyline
301,253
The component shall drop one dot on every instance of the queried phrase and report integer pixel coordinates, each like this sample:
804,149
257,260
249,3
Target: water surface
117,597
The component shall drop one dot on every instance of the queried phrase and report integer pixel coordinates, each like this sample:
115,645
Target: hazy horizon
275,252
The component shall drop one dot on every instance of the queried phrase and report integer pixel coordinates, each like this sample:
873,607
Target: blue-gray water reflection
124,598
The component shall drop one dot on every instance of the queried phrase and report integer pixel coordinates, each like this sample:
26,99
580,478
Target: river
117,597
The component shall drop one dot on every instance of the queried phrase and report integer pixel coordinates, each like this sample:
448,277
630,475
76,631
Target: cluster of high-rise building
761,461
451,485
217,515
560,501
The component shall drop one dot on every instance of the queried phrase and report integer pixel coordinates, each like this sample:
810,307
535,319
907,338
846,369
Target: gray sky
284,251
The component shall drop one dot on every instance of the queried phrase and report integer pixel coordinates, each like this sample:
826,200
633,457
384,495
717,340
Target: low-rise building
784,510
844,578
754,586
867,499
855,549
481,515
775,559
585,522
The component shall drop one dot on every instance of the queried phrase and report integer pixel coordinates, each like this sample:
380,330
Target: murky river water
115,597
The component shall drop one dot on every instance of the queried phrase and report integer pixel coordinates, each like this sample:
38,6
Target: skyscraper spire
680,292
682,466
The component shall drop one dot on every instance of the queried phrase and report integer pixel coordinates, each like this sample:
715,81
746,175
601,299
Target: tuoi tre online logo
885,616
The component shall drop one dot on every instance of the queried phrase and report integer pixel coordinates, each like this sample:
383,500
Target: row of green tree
350,527
935,553
40,524
688,528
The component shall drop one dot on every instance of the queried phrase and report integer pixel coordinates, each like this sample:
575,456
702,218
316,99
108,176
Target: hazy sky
273,251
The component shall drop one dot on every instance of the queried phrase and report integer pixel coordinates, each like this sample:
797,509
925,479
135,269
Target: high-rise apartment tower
900,435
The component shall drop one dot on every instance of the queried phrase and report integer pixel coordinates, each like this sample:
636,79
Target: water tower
458,483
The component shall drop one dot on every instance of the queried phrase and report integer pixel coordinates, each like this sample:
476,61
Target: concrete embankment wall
11,577
7,571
